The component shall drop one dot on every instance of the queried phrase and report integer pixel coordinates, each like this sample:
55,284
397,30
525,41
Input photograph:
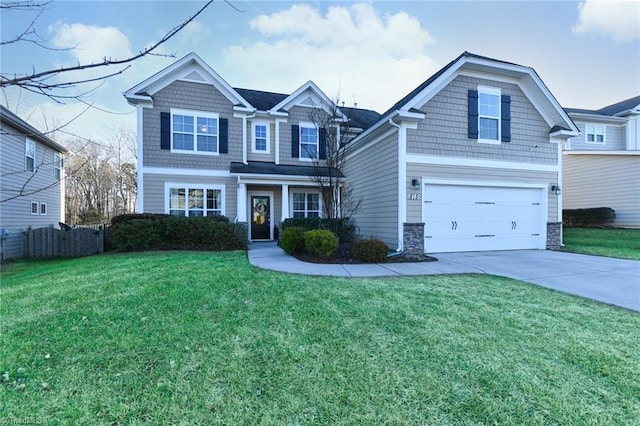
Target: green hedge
596,216
292,240
370,251
342,228
152,232
320,242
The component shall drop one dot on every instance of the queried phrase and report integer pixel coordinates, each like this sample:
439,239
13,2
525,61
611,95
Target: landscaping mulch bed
345,258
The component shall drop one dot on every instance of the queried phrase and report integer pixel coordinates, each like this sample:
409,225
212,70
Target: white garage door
477,218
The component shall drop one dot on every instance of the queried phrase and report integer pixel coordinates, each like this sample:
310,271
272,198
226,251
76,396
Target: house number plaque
414,196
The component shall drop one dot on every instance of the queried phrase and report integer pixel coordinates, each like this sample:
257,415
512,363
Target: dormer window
594,133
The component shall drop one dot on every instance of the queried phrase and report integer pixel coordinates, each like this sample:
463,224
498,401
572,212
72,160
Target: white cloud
618,19
89,43
194,32
353,52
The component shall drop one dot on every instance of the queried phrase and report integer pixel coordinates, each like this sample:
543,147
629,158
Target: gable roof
28,130
190,68
360,118
525,76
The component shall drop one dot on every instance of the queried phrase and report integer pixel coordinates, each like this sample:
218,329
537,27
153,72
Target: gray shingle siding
444,131
196,97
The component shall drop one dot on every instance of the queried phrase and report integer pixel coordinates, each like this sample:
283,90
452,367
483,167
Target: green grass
204,338
610,242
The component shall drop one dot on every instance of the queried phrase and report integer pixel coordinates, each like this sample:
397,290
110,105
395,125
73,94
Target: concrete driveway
608,280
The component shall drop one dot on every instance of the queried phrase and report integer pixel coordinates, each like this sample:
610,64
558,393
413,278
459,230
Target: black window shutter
322,143
223,123
473,114
506,118
165,130
295,141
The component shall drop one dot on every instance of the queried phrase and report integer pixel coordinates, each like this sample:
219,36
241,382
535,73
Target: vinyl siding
15,214
444,131
154,198
196,97
603,181
475,174
373,176
615,139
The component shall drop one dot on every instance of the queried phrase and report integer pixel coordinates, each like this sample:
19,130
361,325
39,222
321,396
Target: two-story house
602,164
469,160
206,148
31,182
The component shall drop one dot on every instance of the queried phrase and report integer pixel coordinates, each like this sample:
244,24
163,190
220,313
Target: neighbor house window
306,204
57,166
43,209
194,200
261,137
595,134
194,132
30,156
308,142
35,207
489,113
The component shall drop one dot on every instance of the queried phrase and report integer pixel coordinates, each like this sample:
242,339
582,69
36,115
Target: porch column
242,202
285,203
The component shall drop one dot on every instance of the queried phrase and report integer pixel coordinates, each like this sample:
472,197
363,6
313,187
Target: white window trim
253,137
57,166
303,191
46,210
495,91
37,205
29,143
308,125
595,134
187,187
195,114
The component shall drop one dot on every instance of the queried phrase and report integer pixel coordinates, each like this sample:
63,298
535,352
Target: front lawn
204,338
610,242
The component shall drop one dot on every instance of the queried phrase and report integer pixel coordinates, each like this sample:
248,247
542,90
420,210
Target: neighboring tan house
469,160
602,165
32,182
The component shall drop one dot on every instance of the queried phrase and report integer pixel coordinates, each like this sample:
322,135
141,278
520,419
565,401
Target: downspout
244,136
399,249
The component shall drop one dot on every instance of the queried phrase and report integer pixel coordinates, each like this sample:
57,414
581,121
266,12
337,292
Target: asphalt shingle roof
264,168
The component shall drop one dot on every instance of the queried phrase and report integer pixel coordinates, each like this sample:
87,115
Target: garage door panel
472,218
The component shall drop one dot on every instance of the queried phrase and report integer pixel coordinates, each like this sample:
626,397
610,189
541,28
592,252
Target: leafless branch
34,80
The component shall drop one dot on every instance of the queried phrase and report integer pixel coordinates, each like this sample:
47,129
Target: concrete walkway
608,280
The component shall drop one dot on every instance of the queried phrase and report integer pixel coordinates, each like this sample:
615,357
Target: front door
260,220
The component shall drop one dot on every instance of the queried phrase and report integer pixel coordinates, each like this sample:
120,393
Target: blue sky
369,53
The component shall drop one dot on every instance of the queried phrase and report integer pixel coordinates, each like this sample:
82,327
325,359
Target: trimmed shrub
596,216
292,240
144,232
320,242
370,251
342,227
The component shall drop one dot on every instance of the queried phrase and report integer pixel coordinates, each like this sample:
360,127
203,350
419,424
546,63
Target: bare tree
334,132
41,82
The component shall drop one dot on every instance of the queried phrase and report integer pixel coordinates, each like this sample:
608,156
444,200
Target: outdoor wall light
415,183
556,189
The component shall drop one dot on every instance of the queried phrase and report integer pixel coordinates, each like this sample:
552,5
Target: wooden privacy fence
73,242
